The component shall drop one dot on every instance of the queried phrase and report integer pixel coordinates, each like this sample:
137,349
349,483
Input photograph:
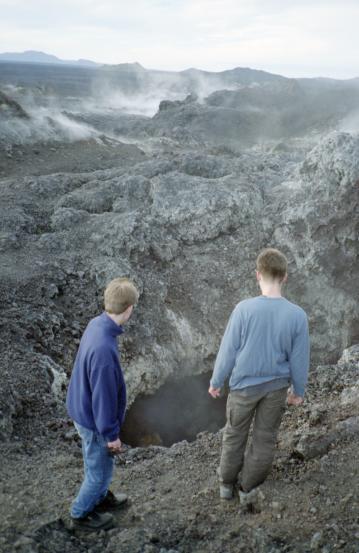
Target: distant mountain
243,74
131,77
32,56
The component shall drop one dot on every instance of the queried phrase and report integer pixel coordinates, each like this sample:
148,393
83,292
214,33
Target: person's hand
293,399
214,392
115,447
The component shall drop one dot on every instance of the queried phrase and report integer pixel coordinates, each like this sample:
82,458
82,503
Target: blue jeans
98,468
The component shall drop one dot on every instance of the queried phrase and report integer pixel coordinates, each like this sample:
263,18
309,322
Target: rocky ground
187,227
56,157
308,503
182,202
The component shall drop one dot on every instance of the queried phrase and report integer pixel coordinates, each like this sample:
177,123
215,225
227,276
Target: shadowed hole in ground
177,411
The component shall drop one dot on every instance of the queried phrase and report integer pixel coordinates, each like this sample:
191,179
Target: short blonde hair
120,293
272,263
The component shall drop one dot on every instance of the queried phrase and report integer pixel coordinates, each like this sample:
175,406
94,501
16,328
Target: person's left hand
115,446
293,399
214,392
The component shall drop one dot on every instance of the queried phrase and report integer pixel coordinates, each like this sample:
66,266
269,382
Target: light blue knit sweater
266,341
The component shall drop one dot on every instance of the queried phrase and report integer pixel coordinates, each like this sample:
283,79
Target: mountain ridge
35,56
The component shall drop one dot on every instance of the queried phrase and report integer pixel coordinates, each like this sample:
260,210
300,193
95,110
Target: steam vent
176,180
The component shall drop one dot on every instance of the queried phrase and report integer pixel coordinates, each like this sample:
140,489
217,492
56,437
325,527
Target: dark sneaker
94,521
112,502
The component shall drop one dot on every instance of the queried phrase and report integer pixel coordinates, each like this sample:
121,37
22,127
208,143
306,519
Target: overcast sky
293,38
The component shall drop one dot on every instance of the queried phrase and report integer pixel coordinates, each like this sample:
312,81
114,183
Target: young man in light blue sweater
264,350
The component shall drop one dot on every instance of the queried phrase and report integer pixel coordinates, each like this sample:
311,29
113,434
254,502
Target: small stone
316,416
149,548
276,506
70,434
347,498
316,541
23,542
154,538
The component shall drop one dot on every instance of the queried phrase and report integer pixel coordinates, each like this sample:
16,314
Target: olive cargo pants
267,410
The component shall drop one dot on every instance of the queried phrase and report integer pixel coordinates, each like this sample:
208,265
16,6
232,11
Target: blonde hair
272,263
120,293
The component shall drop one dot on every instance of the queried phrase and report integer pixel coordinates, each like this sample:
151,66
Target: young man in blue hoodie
96,401
264,350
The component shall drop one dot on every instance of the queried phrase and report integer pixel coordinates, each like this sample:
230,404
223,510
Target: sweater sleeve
299,357
227,353
104,384
122,400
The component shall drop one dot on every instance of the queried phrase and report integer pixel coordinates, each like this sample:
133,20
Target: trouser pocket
240,409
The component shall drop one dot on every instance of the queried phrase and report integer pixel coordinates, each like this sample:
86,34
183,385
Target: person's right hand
115,446
293,399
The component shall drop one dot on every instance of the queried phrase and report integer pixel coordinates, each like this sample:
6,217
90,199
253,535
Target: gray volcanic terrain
176,180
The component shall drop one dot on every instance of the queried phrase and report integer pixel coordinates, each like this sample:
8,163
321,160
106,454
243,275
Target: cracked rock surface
308,503
187,229
182,202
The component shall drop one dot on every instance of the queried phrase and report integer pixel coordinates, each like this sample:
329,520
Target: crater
177,411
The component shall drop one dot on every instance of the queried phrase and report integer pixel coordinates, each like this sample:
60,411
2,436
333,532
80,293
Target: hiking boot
94,521
226,491
242,495
111,502
251,501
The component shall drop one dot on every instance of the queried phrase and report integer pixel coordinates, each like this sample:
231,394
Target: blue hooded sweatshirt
96,397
